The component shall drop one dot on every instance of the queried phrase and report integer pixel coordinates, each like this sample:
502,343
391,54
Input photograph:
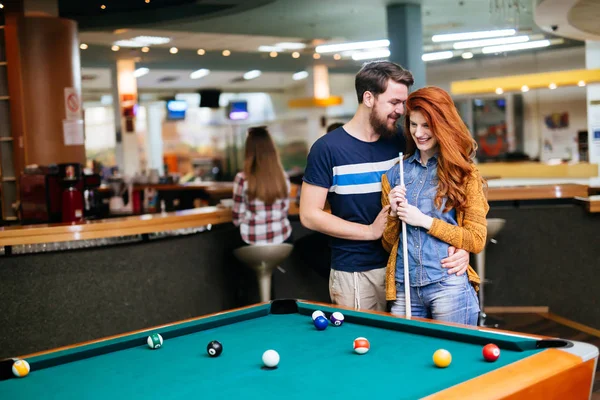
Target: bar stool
494,226
263,259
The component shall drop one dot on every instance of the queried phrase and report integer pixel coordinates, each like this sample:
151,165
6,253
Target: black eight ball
214,348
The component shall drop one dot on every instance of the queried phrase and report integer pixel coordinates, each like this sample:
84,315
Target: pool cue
405,250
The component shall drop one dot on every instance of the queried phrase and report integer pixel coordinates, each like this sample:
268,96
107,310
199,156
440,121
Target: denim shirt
425,252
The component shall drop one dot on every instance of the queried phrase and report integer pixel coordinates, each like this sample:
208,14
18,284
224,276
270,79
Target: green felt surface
313,364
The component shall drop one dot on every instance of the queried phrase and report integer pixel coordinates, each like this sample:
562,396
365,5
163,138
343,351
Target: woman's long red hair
456,145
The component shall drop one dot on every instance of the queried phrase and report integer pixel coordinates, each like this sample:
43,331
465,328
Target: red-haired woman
442,203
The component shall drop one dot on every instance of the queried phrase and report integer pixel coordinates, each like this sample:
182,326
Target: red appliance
72,198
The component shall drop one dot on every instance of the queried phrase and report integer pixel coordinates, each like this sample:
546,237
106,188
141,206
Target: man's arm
312,216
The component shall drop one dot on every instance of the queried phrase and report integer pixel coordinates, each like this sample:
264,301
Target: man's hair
374,77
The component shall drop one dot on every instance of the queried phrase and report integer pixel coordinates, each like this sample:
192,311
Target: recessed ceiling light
296,54
490,42
290,46
516,46
147,1
173,50
453,37
524,88
128,43
337,57
103,7
1,5
83,46
552,86
467,55
335,48
268,49
226,53
199,73
145,49
316,56
439,55
115,48
581,83
150,40
300,75
201,52
141,72
255,73
273,54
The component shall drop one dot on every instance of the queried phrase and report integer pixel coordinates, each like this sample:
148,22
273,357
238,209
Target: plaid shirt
259,223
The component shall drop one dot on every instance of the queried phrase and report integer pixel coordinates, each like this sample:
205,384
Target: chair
494,226
263,259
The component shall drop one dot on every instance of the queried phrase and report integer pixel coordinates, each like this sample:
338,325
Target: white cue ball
270,358
317,314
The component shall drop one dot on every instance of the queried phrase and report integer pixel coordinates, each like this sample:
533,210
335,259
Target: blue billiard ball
321,323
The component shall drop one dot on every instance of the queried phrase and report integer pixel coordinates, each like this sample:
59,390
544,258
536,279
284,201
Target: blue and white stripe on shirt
360,178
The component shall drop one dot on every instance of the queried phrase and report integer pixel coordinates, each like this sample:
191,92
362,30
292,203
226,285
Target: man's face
387,108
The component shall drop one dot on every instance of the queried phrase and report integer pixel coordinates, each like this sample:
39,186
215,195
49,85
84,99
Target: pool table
314,363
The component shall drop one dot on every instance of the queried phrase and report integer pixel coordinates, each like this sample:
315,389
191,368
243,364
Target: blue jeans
451,300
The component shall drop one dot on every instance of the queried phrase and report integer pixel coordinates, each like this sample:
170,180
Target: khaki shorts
358,290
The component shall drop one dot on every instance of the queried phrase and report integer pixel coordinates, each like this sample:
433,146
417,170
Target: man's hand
377,227
457,261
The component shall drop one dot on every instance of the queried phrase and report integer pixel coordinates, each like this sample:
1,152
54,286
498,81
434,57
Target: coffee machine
70,177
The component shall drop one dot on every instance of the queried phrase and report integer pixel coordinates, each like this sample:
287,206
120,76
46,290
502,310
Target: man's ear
368,99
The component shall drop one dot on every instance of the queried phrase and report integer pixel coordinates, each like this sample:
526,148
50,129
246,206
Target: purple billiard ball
337,318
321,323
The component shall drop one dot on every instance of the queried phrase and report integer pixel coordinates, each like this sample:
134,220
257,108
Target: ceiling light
337,57
552,86
173,50
83,46
499,90
115,48
440,55
524,88
516,46
147,1
120,31
128,43
300,75
453,37
201,52
252,74
367,55
490,42
150,40
226,53
467,55
290,46
141,72
201,73
273,54
268,49
296,54
103,7
316,56
1,6
581,83
335,48
145,49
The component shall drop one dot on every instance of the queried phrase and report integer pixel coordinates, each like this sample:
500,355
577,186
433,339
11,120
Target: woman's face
421,134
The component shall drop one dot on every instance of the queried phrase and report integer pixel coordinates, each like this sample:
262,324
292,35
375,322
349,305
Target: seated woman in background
260,192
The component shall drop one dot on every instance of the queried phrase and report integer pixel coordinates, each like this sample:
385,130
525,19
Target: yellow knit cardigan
470,234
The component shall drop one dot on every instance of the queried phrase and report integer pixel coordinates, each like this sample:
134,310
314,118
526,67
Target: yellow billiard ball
442,358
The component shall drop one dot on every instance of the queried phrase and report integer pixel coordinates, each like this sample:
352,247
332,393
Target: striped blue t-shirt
351,169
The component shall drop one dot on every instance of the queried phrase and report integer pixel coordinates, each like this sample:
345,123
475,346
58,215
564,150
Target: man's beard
380,126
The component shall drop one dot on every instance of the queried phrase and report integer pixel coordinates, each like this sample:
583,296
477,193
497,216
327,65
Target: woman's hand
413,216
396,196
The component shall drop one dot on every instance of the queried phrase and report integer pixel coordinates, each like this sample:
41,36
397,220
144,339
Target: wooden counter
213,188
150,223
538,170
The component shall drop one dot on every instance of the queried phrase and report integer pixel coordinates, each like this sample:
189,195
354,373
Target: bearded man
344,168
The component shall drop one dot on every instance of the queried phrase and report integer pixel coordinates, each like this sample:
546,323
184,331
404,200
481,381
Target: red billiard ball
491,352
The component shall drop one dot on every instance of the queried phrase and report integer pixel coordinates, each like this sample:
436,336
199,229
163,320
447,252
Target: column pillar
44,80
592,61
125,100
405,33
